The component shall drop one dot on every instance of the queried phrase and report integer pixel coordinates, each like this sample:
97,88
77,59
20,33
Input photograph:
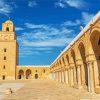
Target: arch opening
95,41
28,73
83,58
20,74
74,61
36,76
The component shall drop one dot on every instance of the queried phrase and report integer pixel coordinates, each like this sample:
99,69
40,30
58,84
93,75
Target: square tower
8,51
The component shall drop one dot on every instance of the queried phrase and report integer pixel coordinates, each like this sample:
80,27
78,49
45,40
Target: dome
9,21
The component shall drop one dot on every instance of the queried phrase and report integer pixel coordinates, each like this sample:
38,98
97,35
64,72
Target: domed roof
9,21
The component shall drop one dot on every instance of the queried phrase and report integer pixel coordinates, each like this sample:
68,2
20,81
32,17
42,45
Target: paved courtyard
50,90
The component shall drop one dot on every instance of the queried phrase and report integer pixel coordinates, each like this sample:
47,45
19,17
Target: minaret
8,51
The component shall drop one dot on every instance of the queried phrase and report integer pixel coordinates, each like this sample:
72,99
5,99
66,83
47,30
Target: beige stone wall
43,72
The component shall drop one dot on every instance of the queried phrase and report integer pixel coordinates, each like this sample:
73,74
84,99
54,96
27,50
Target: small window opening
44,71
3,77
99,42
4,67
7,29
4,57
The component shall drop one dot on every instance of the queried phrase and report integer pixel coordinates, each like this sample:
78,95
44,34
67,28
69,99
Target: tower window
7,29
99,42
44,71
4,67
3,77
4,57
5,49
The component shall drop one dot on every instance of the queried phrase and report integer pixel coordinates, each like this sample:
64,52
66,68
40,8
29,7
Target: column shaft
90,78
79,75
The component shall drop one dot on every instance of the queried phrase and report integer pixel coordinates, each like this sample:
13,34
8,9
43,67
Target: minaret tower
8,51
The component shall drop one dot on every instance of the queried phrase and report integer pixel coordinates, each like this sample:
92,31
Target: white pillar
71,76
63,76
66,73
90,78
60,76
53,76
57,76
79,75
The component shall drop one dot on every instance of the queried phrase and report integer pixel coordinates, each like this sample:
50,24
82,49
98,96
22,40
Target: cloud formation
85,18
32,4
78,4
44,37
6,8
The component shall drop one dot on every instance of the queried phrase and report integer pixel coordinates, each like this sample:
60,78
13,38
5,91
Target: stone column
75,75
90,78
62,76
66,73
56,76
79,75
23,77
69,77
71,72
53,76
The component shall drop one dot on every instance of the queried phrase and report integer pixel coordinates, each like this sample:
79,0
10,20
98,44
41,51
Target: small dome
9,21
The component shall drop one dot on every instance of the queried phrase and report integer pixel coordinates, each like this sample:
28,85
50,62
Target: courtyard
43,90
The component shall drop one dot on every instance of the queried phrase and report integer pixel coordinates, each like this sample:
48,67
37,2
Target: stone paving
50,90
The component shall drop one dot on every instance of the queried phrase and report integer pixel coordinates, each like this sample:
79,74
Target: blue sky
45,27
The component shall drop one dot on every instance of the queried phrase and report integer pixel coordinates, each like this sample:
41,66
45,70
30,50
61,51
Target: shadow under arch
20,74
95,41
74,61
82,51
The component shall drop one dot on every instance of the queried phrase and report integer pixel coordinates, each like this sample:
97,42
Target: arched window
7,29
44,71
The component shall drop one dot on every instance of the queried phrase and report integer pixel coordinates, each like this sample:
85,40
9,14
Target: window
36,71
5,49
4,67
99,42
7,29
44,71
3,77
4,57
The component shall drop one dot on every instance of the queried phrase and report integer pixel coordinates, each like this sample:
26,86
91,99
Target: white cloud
44,38
62,5
32,26
32,4
86,17
72,23
6,7
79,4
19,28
